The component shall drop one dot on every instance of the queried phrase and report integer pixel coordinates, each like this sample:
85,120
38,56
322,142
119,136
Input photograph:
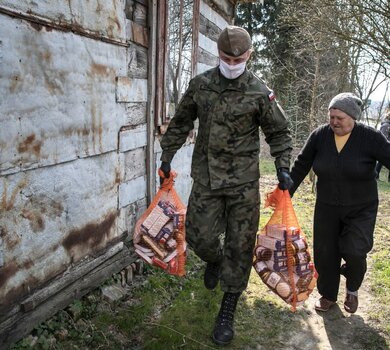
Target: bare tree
179,49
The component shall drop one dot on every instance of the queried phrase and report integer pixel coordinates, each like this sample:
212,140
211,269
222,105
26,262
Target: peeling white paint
132,191
56,109
131,90
41,207
133,138
104,17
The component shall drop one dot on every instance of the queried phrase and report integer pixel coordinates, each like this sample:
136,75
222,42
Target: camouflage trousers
221,226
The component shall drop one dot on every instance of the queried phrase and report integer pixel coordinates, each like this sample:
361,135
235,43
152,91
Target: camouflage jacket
226,152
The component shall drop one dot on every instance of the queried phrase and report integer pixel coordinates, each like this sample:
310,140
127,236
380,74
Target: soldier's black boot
223,329
211,275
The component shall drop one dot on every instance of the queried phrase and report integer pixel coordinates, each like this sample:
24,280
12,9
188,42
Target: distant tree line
310,50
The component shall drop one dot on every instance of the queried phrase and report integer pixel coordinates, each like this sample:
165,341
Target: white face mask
231,72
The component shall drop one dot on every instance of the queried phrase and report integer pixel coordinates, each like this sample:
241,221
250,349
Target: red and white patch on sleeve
271,96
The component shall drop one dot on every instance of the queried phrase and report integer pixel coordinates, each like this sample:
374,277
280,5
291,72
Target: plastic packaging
281,256
159,235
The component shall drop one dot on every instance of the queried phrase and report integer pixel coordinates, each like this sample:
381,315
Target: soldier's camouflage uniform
225,165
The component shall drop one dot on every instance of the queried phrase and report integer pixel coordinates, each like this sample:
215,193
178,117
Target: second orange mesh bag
159,234
281,255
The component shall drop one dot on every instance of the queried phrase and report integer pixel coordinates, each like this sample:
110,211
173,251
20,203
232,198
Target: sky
379,93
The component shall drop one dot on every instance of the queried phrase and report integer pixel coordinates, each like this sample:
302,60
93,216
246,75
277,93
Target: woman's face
341,123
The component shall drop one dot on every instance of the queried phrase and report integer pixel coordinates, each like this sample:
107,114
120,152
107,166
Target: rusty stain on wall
46,56
81,241
30,145
117,176
39,206
14,83
8,204
38,27
98,7
28,286
7,271
36,220
100,69
11,240
113,22
79,131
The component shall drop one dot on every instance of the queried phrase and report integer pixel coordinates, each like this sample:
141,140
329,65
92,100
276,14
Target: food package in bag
159,234
281,255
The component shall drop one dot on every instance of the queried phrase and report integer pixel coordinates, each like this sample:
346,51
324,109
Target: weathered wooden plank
208,45
195,36
132,138
130,214
137,33
208,10
137,58
25,322
56,110
208,28
134,164
1,252
135,10
106,18
207,58
54,216
67,278
131,191
140,14
60,282
222,7
135,113
131,90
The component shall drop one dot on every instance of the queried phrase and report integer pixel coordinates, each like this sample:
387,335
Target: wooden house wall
75,89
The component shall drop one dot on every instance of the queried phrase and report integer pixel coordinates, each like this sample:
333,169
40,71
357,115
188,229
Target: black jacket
348,177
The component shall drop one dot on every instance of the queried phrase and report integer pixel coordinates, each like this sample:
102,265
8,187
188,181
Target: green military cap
234,41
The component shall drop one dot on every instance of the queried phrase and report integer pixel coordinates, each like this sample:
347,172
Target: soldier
230,103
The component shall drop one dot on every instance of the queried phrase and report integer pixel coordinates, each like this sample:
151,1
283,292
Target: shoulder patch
271,96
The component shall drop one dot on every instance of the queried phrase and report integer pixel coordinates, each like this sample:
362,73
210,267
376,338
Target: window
176,48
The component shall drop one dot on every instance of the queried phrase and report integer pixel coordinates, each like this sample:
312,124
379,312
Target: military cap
234,41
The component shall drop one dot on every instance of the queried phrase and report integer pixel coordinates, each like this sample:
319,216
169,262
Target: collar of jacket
219,84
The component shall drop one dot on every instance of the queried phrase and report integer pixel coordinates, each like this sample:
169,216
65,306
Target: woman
343,155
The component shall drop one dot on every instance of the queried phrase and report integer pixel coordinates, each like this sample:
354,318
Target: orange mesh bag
159,234
281,255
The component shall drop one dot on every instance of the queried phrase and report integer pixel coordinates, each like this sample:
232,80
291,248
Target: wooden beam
195,37
42,306
151,104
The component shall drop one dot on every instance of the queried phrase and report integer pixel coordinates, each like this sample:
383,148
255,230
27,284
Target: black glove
285,180
165,167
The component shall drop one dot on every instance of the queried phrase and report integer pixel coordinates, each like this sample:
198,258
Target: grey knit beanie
348,103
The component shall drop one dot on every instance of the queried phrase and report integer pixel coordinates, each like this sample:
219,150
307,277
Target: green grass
267,167
380,272
168,312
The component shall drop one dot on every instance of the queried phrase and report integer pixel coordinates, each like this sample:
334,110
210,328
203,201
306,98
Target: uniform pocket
242,120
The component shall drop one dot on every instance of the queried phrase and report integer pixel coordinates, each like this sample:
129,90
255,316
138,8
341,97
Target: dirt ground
336,329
